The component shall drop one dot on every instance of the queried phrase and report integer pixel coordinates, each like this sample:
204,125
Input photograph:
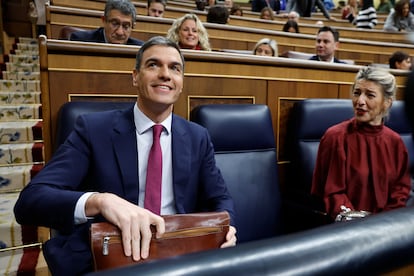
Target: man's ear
337,45
135,77
103,18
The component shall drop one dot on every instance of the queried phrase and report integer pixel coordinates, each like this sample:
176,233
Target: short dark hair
163,2
397,56
154,41
218,14
334,32
124,6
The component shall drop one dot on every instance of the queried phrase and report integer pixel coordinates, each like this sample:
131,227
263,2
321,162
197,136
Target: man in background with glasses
118,20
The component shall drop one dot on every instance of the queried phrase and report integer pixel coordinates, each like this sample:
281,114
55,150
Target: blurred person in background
266,47
400,18
156,8
400,60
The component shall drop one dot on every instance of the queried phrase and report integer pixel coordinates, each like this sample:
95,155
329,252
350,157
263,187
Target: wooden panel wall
230,37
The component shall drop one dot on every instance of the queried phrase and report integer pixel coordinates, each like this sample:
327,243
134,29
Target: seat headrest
315,116
397,119
70,111
236,126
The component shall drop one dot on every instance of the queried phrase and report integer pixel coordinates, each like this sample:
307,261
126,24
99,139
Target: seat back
70,111
245,153
398,121
309,121
66,31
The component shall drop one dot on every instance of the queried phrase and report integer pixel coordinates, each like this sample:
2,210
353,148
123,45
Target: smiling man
118,20
327,42
101,169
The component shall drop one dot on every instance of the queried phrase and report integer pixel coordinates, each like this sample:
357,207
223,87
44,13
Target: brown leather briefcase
184,233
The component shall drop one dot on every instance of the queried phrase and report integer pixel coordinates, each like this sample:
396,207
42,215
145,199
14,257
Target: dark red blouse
362,167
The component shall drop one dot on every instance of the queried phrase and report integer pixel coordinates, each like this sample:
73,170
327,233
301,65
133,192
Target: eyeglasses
115,24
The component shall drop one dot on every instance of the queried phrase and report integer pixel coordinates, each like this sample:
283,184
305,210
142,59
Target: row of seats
244,143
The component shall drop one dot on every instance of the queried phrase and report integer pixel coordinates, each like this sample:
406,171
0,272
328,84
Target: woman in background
266,47
350,11
291,26
400,18
400,60
267,14
367,16
189,33
362,164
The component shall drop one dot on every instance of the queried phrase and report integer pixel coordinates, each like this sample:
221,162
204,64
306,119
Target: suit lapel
125,150
181,158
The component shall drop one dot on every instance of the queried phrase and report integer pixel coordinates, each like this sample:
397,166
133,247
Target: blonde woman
189,33
266,47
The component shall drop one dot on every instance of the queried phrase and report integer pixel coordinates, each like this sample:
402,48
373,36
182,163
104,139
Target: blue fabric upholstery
310,119
244,143
71,110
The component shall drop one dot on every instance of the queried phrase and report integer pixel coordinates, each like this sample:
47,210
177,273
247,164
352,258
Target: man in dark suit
100,170
118,20
327,42
258,5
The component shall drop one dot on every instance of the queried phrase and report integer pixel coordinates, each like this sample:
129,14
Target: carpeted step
22,153
19,85
22,67
15,178
23,58
25,52
9,113
20,132
20,98
21,75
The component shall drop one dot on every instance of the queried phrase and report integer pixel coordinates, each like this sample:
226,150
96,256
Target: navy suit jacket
101,155
98,36
315,57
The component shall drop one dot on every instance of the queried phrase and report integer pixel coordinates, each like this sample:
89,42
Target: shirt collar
143,123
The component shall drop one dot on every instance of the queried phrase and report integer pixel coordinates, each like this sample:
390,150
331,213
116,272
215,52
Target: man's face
325,46
159,79
156,9
118,27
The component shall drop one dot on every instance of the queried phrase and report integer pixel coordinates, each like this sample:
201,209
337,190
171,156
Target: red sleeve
330,173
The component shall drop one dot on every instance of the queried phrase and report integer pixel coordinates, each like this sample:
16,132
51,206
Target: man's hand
231,238
133,221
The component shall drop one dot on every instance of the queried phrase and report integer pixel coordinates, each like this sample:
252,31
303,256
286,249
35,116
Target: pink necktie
152,200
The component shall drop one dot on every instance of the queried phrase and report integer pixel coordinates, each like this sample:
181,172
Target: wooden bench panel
230,37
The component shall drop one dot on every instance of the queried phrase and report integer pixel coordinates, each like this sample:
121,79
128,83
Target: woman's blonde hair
383,78
272,43
173,32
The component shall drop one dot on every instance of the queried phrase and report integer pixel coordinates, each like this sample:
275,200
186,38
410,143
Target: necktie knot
156,131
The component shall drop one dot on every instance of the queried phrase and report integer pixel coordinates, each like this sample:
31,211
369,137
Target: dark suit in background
99,37
258,5
315,57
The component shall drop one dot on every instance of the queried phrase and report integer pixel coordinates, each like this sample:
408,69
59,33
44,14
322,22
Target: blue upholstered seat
69,111
244,144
